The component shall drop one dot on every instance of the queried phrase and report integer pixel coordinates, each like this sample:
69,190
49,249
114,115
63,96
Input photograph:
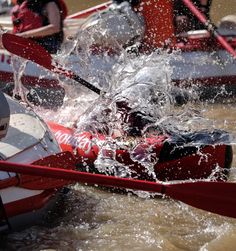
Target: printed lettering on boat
76,140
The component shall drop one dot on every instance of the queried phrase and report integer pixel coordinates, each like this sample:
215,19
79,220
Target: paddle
210,27
30,50
216,197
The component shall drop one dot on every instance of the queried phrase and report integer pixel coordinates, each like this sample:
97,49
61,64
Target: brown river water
89,218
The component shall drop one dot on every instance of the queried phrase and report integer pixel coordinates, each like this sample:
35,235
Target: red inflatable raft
190,156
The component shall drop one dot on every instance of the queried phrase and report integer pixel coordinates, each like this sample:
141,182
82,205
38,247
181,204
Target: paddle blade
28,49
215,197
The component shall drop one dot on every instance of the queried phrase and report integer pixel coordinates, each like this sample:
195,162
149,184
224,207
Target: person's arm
53,14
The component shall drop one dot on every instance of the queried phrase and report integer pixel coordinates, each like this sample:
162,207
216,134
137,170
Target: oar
210,27
216,197
30,50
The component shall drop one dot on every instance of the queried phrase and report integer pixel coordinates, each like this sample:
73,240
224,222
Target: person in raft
185,20
120,25
40,20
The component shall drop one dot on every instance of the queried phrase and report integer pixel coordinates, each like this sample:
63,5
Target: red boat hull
170,160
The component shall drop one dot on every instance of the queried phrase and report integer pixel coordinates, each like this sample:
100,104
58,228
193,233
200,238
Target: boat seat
25,131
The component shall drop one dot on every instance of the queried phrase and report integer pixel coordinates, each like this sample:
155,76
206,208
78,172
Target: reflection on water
94,219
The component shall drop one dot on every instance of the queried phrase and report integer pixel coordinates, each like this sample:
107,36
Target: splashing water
138,91
19,66
143,85
96,220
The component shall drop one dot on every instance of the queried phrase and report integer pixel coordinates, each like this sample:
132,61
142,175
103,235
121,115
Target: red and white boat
200,59
201,63
23,198
204,65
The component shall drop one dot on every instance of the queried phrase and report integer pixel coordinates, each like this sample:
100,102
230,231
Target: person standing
40,20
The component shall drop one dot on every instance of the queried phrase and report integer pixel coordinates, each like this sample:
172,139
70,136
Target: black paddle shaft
86,84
